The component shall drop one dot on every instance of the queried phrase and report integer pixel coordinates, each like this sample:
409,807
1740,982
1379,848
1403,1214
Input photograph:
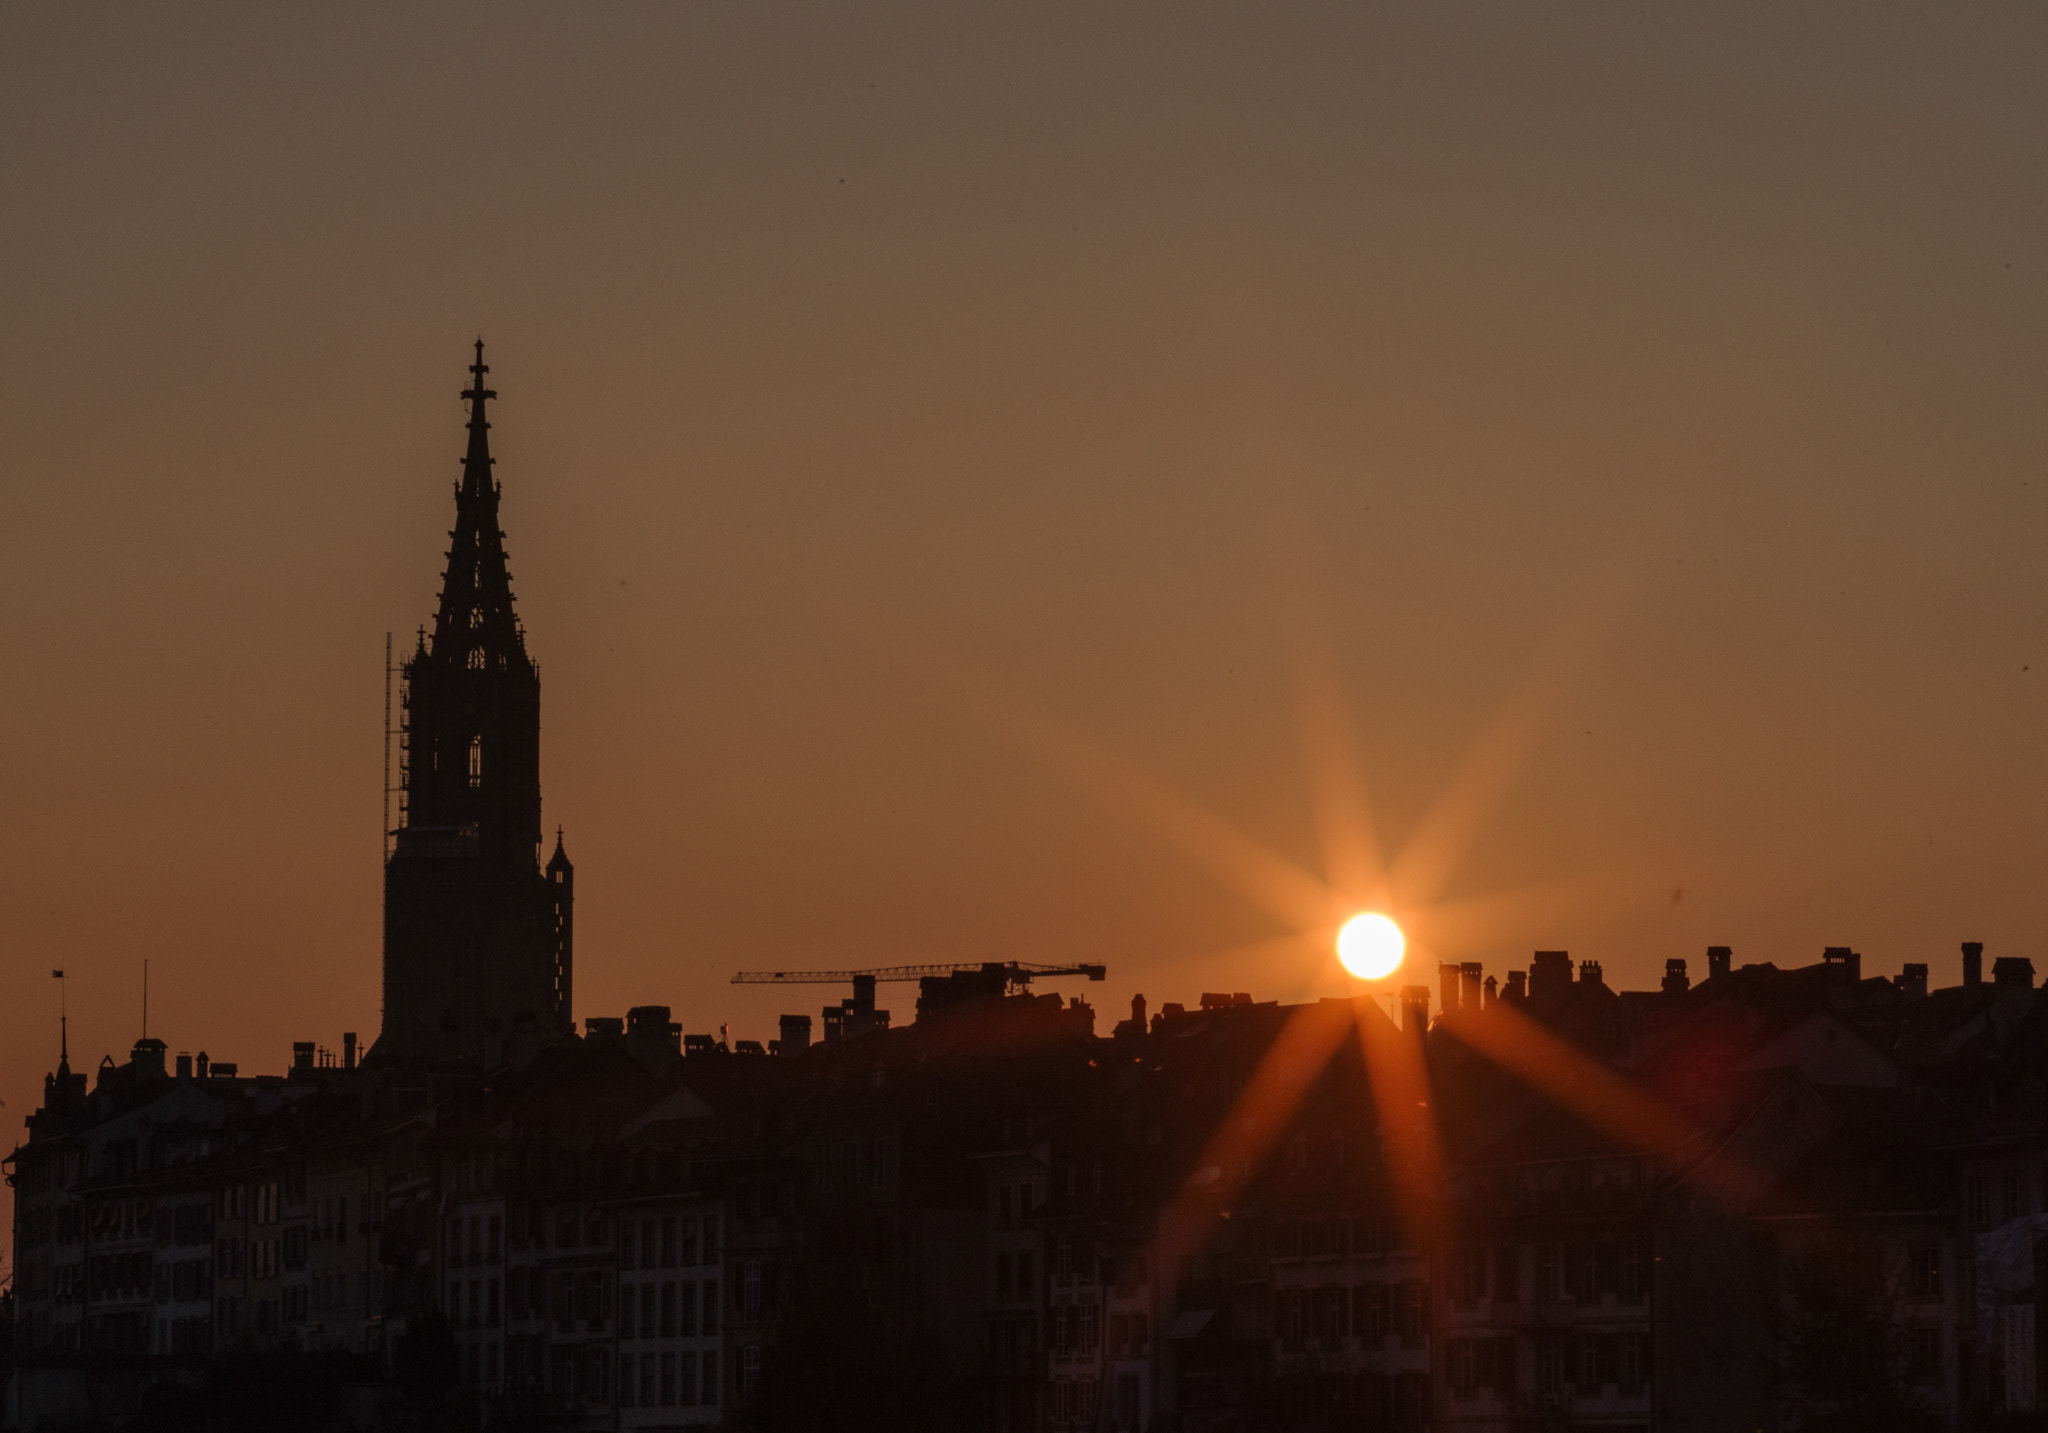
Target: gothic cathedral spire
477,959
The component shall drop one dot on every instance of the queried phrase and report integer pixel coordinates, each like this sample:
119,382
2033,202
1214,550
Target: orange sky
976,478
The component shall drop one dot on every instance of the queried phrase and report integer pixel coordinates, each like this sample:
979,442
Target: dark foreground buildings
1769,1199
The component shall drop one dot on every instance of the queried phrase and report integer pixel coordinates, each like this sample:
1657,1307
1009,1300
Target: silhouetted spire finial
476,390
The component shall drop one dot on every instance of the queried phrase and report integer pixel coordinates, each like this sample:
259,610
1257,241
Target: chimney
348,1049
1720,958
863,995
1517,992
1415,1009
1550,976
1913,981
1589,972
835,1023
1472,973
796,1034
1842,965
202,1064
1973,962
184,1066
2014,970
302,1054
1676,981
1447,985
1138,1012
1492,992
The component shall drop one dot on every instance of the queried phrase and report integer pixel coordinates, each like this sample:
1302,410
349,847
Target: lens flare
1371,946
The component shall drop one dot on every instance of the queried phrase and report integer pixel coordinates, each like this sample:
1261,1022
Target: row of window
2001,1198
1564,1273
1074,1400
666,1380
473,1240
1365,1236
1073,1329
1588,1364
257,1258
669,1242
1368,1312
669,1309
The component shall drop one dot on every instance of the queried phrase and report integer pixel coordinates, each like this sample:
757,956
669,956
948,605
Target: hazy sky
936,441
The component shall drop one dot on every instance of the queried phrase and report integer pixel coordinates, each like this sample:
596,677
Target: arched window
476,659
476,761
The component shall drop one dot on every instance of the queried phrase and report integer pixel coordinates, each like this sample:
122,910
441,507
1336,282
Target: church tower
477,934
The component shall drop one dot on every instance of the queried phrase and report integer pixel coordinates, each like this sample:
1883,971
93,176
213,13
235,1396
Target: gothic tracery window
476,761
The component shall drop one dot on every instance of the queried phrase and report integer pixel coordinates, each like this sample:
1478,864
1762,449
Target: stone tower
477,934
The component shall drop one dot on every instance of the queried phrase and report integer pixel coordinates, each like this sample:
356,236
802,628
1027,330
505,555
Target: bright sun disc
1371,946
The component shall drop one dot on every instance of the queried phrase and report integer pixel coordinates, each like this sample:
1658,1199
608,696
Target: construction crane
1016,972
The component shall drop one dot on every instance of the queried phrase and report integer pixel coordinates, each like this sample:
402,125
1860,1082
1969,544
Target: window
1507,1273
1289,1317
628,1384
1462,1373
1978,1201
1414,1313
668,1310
1090,1330
1583,1272
1550,1363
2009,1196
1370,1315
629,1303
1634,1279
1468,1275
1923,1354
476,659
1002,1278
750,1289
1549,1273
647,1324
1923,1272
708,1302
710,1397
476,753
1634,1364
1586,1376
750,1372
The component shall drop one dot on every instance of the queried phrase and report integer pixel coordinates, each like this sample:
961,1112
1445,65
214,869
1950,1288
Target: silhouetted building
478,939
1772,1199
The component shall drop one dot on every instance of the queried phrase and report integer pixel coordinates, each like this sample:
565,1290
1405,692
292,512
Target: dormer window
476,761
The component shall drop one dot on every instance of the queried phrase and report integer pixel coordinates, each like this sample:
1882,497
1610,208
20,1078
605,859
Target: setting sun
1371,946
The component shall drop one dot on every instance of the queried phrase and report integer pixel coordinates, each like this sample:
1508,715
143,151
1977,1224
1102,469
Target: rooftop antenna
63,1021
145,997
